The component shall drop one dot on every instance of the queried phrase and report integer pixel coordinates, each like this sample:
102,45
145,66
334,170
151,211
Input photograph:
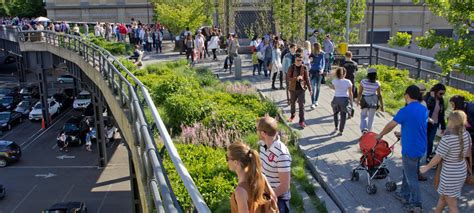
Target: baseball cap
371,70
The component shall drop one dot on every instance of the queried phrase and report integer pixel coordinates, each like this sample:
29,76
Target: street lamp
348,19
372,32
148,10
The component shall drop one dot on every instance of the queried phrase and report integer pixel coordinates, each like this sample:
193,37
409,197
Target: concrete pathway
333,157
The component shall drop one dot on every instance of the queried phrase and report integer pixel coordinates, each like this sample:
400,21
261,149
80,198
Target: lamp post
348,19
372,32
148,10
306,20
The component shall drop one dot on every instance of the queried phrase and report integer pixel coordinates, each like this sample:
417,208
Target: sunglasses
299,60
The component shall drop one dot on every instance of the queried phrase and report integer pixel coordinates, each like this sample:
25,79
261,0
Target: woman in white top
306,53
214,45
199,45
342,99
452,149
371,98
276,65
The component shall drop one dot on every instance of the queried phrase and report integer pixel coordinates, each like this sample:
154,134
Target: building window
444,32
380,37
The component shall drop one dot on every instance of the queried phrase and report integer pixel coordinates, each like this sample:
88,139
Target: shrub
214,136
168,85
206,78
158,69
401,39
115,48
208,168
232,118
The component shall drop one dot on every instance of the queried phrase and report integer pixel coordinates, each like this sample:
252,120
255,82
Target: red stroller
374,154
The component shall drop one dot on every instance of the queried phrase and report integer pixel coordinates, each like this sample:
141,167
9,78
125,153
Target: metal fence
420,66
134,96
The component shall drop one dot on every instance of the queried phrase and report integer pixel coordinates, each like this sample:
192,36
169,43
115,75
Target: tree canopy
290,17
22,8
177,15
458,49
329,16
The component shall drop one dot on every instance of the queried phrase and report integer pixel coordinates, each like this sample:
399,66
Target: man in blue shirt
413,118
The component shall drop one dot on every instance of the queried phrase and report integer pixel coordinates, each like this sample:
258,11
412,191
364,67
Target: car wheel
3,162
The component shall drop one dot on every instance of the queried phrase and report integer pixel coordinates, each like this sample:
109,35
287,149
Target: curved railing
133,95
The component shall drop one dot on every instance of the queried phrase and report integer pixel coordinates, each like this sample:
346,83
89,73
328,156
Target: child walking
255,61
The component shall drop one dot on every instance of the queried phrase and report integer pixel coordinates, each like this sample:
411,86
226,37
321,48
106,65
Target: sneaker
313,106
316,103
400,197
302,124
339,133
412,208
365,131
291,118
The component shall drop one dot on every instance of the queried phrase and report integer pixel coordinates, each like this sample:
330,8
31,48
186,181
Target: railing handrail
189,184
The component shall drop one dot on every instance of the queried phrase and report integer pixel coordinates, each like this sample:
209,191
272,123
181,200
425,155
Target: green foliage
177,15
458,50
23,8
330,17
186,109
115,48
208,168
289,16
401,39
172,84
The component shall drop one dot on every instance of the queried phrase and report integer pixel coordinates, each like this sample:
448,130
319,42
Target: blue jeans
255,68
283,205
266,63
410,186
432,129
315,87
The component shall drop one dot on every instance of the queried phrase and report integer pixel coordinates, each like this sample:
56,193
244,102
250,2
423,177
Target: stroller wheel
371,189
354,176
390,186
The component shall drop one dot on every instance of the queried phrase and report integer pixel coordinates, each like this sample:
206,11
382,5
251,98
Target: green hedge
115,48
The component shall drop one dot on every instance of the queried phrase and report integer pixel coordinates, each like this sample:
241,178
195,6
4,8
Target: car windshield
66,76
38,106
69,127
4,91
7,100
84,96
4,116
24,104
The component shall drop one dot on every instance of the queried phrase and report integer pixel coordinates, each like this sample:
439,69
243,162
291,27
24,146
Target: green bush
186,109
232,117
208,168
115,48
167,85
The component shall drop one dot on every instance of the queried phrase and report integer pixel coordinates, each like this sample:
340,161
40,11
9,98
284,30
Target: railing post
93,57
418,68
377,56
120,91
395,61
448,79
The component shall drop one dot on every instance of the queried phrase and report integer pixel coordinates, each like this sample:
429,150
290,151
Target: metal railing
134,96
420,66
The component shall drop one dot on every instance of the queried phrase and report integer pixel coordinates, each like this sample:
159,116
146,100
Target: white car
37,112
82,100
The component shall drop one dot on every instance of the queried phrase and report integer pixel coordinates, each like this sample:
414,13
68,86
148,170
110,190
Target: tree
289,16
177,15
401,39
23,8
458,49
329,16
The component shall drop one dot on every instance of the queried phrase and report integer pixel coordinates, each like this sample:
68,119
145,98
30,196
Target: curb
312,169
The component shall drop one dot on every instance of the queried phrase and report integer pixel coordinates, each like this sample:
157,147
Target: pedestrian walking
232,50
89,140
61,141
314,37
329,52
435,104
342,101
276,65
267,57
316,73
253,193
414,119
298,80
306,54
370,100
189,45
214,45
288,60
351,69
276,160
450,155
199,46
458,102
255,62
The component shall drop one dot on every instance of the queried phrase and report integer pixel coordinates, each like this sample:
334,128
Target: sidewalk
333,157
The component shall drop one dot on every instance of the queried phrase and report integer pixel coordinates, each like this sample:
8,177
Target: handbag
470,176
369,101
437,174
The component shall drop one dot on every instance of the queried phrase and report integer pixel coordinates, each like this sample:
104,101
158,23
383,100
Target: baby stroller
374,154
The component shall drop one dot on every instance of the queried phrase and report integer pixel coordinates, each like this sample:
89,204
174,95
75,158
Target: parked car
24,107
30,92
8,119
82,100
65,79
9,152
37,113
13,91
2,191
75,130
8,103
63,100
67,207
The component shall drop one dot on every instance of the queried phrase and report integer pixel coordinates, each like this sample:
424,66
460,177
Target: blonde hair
250,162
457,120
307,45
268,125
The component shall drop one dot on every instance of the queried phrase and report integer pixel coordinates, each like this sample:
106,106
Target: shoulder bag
369,101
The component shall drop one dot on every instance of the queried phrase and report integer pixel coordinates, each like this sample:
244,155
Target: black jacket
351,68
430,104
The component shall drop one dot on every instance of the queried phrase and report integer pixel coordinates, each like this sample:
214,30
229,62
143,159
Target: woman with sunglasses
252,193
435,104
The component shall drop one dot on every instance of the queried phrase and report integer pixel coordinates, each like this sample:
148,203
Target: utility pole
306,20
148,10
348,20
372,32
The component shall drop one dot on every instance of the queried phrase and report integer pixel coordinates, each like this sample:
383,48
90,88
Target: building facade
100,10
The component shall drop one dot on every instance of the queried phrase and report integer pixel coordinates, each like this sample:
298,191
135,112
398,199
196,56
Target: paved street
45,176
